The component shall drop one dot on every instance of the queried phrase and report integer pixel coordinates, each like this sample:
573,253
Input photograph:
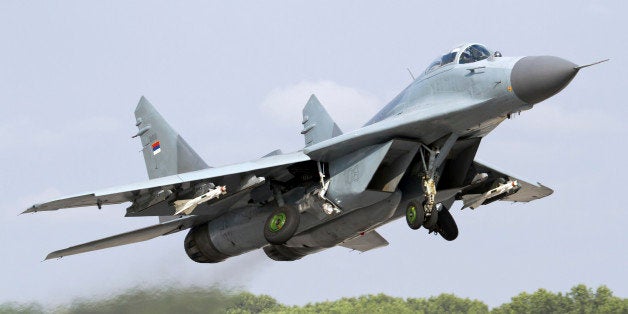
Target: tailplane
165,151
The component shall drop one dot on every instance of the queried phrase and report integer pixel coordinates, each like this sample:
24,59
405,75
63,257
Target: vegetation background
580,299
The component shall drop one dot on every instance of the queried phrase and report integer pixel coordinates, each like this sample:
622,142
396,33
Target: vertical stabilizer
165,151
318,125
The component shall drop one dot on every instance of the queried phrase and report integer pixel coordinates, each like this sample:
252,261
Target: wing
528,191
234,176
368,241
131,237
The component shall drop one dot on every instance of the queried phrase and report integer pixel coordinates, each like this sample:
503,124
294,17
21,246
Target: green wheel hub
277,222
411,213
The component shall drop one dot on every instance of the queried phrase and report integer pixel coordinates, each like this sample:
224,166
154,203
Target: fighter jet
413,159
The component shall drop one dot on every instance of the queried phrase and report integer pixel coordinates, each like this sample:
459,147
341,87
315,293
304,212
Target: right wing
235,177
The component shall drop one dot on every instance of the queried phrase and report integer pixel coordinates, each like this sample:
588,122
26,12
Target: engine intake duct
284,253
200,248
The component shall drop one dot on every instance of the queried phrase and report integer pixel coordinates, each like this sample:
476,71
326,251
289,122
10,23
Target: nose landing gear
446,225
440,220
429,204
432,159
414,216
417,217
432,216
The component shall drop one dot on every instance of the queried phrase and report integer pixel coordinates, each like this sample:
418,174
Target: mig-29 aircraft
415,158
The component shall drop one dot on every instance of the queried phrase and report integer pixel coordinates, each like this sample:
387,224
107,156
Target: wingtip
549,190
32,209
52,255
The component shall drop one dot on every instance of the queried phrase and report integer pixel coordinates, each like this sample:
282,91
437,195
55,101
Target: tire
430,222
414,215
281,225
446,225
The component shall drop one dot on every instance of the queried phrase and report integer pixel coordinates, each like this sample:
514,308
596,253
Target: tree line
580,299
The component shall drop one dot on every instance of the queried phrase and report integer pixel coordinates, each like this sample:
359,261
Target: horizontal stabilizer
318,125
368,241
129,237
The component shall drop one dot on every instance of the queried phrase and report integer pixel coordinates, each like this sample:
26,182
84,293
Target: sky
232,78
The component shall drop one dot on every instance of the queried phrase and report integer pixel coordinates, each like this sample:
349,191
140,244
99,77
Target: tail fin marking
165,151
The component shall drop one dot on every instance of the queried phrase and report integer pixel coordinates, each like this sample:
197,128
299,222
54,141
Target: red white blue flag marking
156,148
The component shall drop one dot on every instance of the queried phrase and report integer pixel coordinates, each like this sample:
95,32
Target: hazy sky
232,78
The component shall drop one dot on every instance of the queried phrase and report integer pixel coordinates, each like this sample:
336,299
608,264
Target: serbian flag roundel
156,148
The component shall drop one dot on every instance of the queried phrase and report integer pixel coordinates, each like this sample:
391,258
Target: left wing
528,192
235,177
130,237
525,192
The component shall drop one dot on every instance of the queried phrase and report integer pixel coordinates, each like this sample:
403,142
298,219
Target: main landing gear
281,225
283,222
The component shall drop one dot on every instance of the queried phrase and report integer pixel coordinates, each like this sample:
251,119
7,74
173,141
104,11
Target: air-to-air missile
187,206
502,190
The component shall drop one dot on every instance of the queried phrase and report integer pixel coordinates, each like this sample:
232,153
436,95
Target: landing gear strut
429,188
432,159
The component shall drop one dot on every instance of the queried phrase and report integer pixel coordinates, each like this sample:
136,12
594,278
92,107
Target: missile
188,205
501,191
505,188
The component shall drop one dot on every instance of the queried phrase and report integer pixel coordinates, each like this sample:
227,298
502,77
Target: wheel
430,222
414,216
446,225
281,225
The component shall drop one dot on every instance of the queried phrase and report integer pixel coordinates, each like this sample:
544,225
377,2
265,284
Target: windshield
439,62
471,53
474,53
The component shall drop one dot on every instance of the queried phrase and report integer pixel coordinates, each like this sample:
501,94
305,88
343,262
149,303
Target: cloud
350,107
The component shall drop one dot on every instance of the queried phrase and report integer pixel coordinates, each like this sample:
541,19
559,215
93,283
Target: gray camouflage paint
468,100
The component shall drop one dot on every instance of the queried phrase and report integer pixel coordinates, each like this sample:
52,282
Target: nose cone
534,79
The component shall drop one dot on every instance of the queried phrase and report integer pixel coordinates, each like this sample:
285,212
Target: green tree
582,298
15,308
449,303
579,300
246,302
605,302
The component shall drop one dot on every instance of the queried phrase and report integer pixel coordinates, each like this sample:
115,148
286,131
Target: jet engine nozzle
536,78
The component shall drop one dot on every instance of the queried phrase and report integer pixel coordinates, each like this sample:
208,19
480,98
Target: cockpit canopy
462,54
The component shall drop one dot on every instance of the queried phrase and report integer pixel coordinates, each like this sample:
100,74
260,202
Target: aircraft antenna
411,75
